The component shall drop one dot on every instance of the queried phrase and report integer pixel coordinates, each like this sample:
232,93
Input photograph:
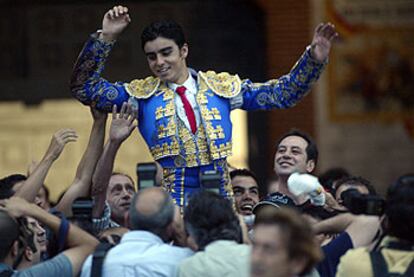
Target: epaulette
143,88
223,84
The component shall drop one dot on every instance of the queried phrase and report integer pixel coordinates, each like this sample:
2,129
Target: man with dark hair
330,177
296,152
245,190
185,115
212,224
7,184
16,237
145,250
282,244
395,255
297,155
363,186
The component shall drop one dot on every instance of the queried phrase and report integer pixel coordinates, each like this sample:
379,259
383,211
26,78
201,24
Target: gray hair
155,222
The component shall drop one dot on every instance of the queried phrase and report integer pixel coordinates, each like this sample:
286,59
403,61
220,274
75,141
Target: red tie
188,109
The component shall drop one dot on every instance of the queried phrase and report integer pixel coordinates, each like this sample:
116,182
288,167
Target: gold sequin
143,88
223,84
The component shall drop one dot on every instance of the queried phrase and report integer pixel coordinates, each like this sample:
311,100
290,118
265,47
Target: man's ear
169,233
14,250
28,254
298,265
184,51
191,243
310,166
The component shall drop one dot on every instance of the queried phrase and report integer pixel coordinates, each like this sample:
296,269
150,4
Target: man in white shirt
145,250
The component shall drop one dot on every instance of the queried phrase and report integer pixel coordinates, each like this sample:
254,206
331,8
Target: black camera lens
358,203
349,195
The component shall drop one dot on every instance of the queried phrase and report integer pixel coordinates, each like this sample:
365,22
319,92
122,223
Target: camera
82,213
146,175
358,203
82,208
210,180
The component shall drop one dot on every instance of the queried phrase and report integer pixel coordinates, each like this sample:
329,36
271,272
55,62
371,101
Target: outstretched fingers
114,112
66,135
123,111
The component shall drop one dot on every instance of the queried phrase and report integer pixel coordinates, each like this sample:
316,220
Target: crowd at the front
300,227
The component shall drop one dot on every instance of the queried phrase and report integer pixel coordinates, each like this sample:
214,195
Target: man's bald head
149,201
152,210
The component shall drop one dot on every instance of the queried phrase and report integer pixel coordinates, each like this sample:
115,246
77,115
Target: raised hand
122,123
324,34
59,141
114,22
98,115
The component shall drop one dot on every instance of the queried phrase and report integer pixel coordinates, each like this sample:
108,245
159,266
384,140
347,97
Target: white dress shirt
140,253
191,85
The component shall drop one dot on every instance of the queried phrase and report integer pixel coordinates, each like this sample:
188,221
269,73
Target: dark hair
311,149
356,181
296,232
243,172
209,217
9,233
155,222
164,28
7,183
400,208
331,175
12,230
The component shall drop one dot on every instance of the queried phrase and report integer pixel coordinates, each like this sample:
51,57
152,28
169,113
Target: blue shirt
58,266
333,251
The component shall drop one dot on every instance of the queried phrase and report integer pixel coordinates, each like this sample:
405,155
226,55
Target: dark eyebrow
115,187
130,186
161,50
238,187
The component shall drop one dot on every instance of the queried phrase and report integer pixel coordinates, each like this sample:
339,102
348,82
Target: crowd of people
105,224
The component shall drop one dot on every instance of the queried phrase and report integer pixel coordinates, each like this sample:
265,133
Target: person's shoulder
357,253
223,84
58,266
184,251
143,88
355,262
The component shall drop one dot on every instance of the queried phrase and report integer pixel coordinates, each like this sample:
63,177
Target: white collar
189,84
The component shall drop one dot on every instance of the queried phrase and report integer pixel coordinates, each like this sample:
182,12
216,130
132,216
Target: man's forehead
269,232
293,141
31,220
244,181
120,179
159,44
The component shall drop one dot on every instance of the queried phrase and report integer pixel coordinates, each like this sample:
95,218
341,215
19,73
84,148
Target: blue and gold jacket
170,142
